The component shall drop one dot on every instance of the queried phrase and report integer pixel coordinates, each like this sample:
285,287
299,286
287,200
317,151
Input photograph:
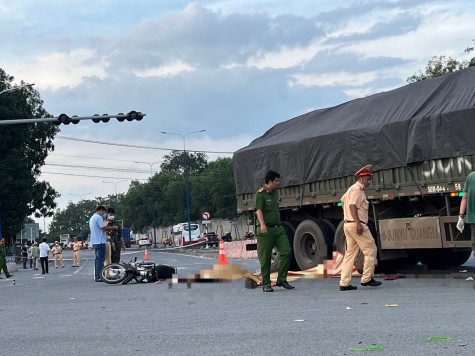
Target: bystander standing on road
29,254
358,236
76,248
270,233
35,255
467,207
24,254
57,252
117,240
44,252
3,260
98,238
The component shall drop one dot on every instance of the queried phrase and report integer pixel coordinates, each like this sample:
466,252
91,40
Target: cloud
167,70
286,57
62,69
439,33
332,79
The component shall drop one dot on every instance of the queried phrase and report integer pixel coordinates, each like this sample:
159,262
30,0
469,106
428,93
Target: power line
133,146
83,175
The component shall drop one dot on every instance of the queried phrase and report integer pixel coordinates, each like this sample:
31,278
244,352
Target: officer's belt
352,221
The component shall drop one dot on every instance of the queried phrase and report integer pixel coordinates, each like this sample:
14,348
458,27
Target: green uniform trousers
3,266
275,236
115,255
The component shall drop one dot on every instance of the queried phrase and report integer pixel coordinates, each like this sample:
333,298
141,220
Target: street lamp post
80,216
153,201
186,175
116,199
1,92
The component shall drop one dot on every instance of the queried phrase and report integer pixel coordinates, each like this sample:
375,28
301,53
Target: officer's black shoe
98,280
284,284
350,287
267,289
372,283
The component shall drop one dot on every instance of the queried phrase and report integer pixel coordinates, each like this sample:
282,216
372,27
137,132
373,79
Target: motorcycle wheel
113,273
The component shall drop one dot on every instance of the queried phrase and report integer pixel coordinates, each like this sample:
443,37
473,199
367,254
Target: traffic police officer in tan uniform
358,235
270,233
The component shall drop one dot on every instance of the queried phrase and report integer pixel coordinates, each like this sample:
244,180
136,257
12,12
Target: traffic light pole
66,120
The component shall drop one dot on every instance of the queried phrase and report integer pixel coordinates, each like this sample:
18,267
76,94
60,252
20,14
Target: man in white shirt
44,251
98,238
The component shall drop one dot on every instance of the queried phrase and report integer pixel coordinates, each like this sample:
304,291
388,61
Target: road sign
206,215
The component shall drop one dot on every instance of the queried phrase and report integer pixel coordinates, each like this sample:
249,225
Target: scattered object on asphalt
299,320
364,303
158,282
14,283
393,277
250,283
462,344
391,305
436,338
463,271
72,298
469,279
368,348
348,308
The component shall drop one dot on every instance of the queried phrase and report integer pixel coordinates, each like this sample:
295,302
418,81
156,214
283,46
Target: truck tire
289,228
340,246
459,256
275,257
311,243
440,258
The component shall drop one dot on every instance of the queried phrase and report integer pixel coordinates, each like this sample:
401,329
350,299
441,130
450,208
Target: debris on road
436,338
368,348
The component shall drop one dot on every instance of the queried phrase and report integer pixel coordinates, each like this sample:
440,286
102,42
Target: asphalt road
67,313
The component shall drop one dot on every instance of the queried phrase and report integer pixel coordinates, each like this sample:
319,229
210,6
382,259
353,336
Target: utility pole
186,176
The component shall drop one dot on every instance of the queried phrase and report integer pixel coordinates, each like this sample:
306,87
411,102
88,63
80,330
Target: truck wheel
289,228
340,246
274,260
440,258
459,256
311,241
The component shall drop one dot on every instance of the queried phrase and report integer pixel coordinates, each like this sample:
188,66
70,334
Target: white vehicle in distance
144,242
181,236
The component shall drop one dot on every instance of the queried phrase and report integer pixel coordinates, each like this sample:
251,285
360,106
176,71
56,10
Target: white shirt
44,248
96,223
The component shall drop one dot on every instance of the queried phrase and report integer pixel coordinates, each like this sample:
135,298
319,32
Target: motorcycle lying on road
141,271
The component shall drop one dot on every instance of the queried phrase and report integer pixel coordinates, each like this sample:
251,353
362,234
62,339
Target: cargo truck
419,139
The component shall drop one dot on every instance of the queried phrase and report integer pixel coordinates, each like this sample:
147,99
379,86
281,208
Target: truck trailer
420,139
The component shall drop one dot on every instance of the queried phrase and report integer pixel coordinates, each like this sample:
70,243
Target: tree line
211,188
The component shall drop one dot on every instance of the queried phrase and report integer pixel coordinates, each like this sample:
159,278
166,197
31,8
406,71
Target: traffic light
66,120
134,115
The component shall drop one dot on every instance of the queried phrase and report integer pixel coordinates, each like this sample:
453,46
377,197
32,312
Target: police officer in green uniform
117,241
270,233
3,261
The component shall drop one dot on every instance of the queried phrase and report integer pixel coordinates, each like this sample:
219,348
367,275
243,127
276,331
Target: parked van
181,235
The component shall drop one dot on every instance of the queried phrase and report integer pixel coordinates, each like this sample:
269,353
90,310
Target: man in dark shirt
270,233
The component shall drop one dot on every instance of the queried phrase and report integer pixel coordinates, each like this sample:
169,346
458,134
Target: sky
234,68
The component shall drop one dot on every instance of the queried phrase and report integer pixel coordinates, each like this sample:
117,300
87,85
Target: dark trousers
275,236
3,267
115,255
100,250
44,264
25,259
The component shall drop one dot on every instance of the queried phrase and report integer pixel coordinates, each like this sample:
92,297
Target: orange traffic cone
222,255
146,255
